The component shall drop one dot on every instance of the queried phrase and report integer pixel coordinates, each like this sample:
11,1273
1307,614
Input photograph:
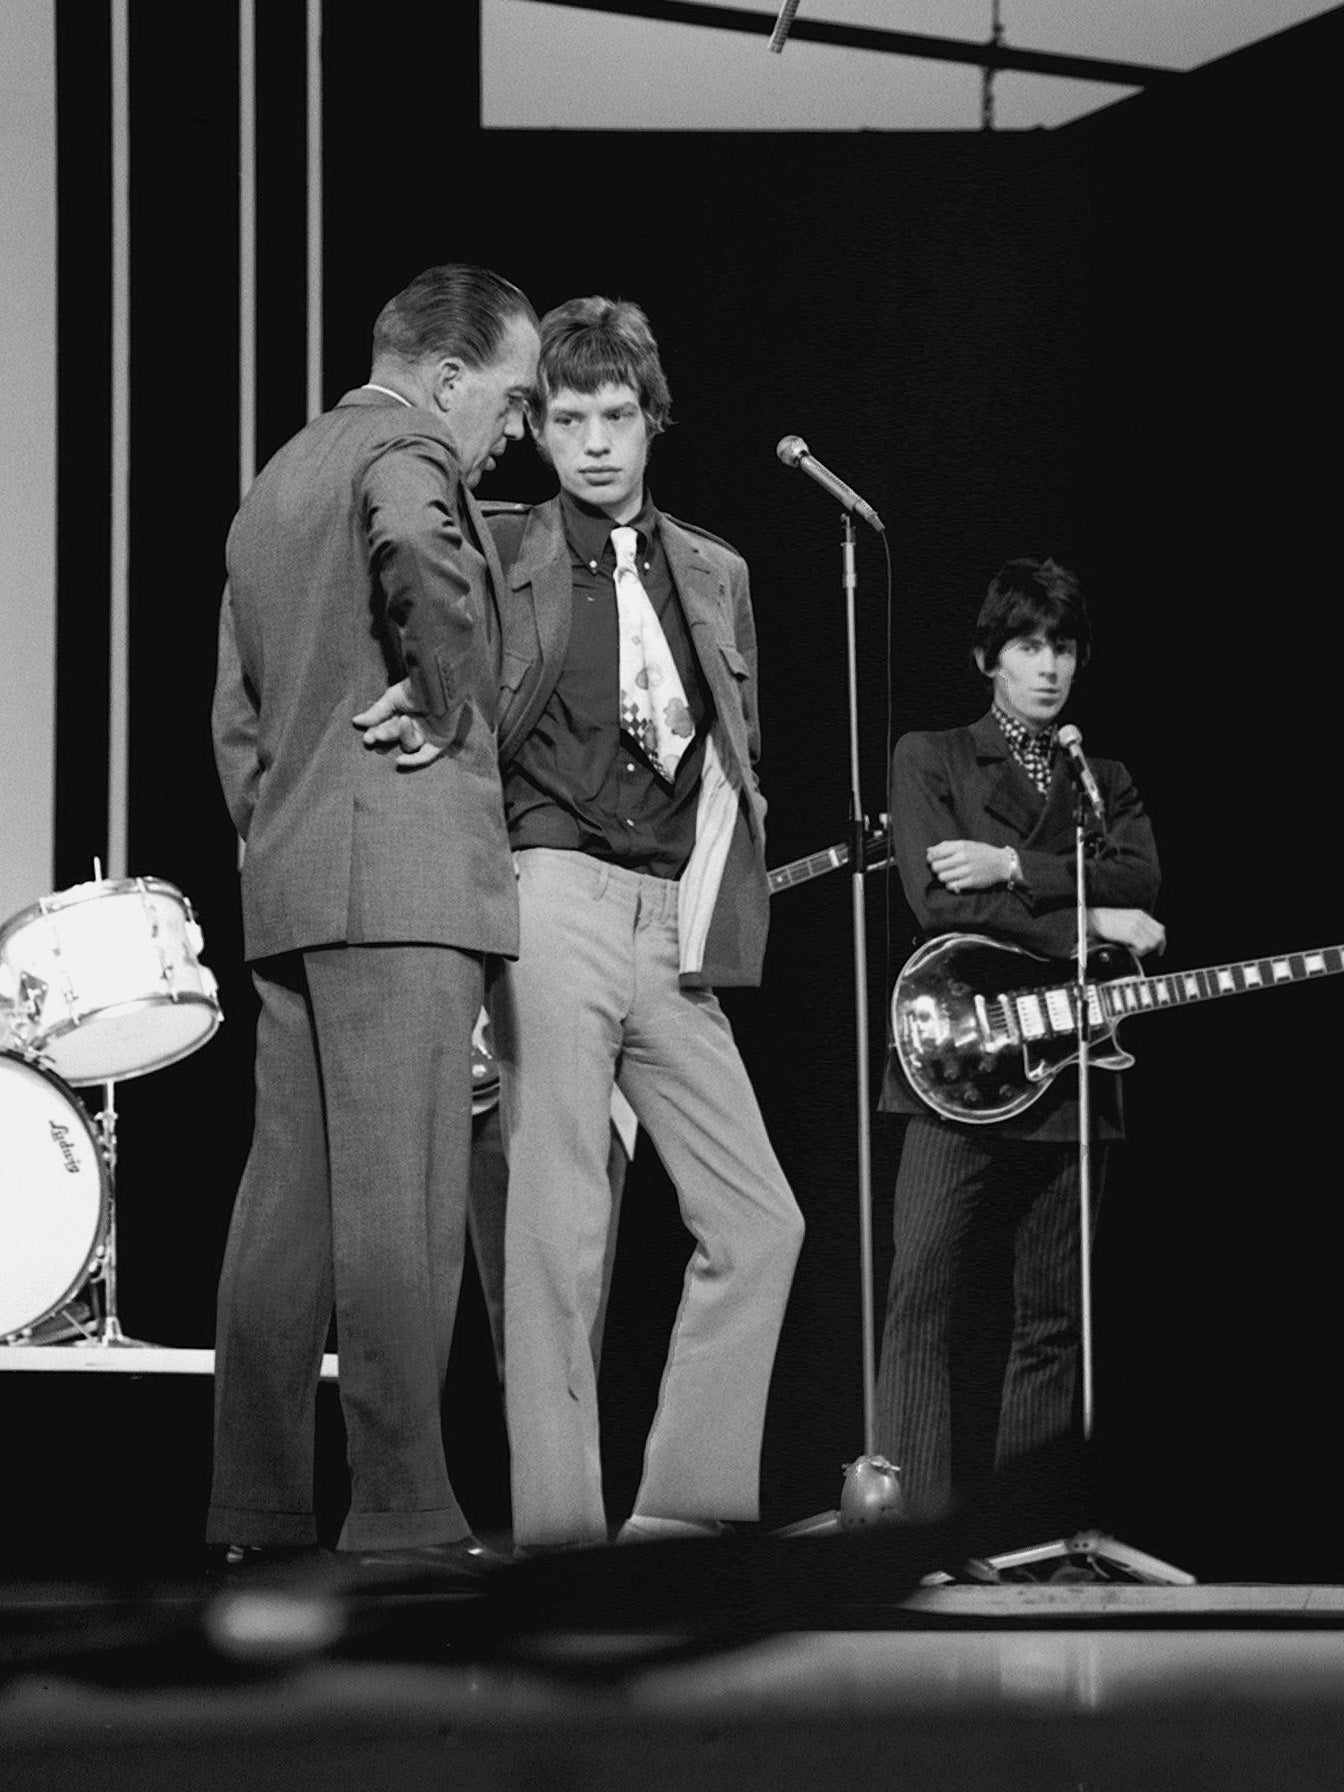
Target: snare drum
53,1195
104,979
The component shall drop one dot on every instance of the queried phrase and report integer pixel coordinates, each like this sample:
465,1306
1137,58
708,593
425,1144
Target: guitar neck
799,870
1133,995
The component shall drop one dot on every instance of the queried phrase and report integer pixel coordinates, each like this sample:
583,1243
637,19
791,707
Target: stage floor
307,1681
131,1357
781,1663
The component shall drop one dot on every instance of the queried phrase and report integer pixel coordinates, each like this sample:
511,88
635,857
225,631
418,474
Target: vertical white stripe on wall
314,69
247,245
28,452
118,712
247,253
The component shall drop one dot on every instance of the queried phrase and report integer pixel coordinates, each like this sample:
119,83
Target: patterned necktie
653,703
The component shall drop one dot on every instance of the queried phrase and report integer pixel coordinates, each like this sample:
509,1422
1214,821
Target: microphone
794,453
1072,743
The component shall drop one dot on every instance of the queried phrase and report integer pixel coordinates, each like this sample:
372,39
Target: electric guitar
982,1028
876,853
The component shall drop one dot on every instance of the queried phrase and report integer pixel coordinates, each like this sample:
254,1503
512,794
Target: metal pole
856,867
118,670
1084,1126
314,202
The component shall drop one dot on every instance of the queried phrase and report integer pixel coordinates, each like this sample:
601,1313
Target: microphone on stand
793,452
1072,742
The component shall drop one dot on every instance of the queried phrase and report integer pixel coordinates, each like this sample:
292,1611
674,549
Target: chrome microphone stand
858,918
1082,1021
1087,1554
871,1489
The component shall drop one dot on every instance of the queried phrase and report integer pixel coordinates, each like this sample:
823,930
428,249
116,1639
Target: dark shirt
579,782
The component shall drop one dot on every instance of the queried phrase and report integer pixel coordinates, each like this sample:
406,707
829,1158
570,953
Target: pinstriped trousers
594,997
981,1346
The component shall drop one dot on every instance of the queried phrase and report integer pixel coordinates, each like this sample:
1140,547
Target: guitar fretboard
799,870
1134,995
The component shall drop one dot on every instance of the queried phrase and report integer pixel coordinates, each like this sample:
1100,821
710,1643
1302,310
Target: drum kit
98,983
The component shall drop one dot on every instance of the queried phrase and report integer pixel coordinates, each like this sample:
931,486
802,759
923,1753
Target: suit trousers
353,1200
595,996
485,1224
981,1344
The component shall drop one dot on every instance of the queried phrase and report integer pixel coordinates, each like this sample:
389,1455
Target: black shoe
466,1563
225,1560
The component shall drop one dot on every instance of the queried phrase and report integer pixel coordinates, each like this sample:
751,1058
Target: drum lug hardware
67,987
148,908
32,994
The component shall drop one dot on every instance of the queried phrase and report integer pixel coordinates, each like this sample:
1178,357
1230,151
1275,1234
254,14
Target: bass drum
53,1196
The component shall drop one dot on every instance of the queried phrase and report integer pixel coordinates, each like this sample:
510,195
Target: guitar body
983,1029
965,1015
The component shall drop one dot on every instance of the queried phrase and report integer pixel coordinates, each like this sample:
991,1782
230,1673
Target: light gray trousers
594,996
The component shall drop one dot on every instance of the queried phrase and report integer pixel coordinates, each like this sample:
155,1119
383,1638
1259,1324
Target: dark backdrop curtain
1110,343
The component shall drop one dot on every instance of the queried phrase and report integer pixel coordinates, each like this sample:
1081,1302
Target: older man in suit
986,1215
371,896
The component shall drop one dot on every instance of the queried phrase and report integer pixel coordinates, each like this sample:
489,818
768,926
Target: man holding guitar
986,1203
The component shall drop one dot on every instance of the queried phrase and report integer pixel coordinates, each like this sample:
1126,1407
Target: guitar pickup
1031,1016
1059,1007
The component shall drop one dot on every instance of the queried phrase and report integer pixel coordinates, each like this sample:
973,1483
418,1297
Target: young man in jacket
628,728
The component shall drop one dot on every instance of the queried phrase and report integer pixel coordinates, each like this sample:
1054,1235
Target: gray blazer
711,581
359,557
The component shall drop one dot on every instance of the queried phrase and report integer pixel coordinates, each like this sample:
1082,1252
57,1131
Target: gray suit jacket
711,581
359,557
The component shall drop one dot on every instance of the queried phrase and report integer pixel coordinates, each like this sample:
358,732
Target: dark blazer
359,557
964,784
711,581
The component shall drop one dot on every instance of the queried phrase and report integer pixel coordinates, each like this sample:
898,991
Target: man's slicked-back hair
455,309
590,343
1028,597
